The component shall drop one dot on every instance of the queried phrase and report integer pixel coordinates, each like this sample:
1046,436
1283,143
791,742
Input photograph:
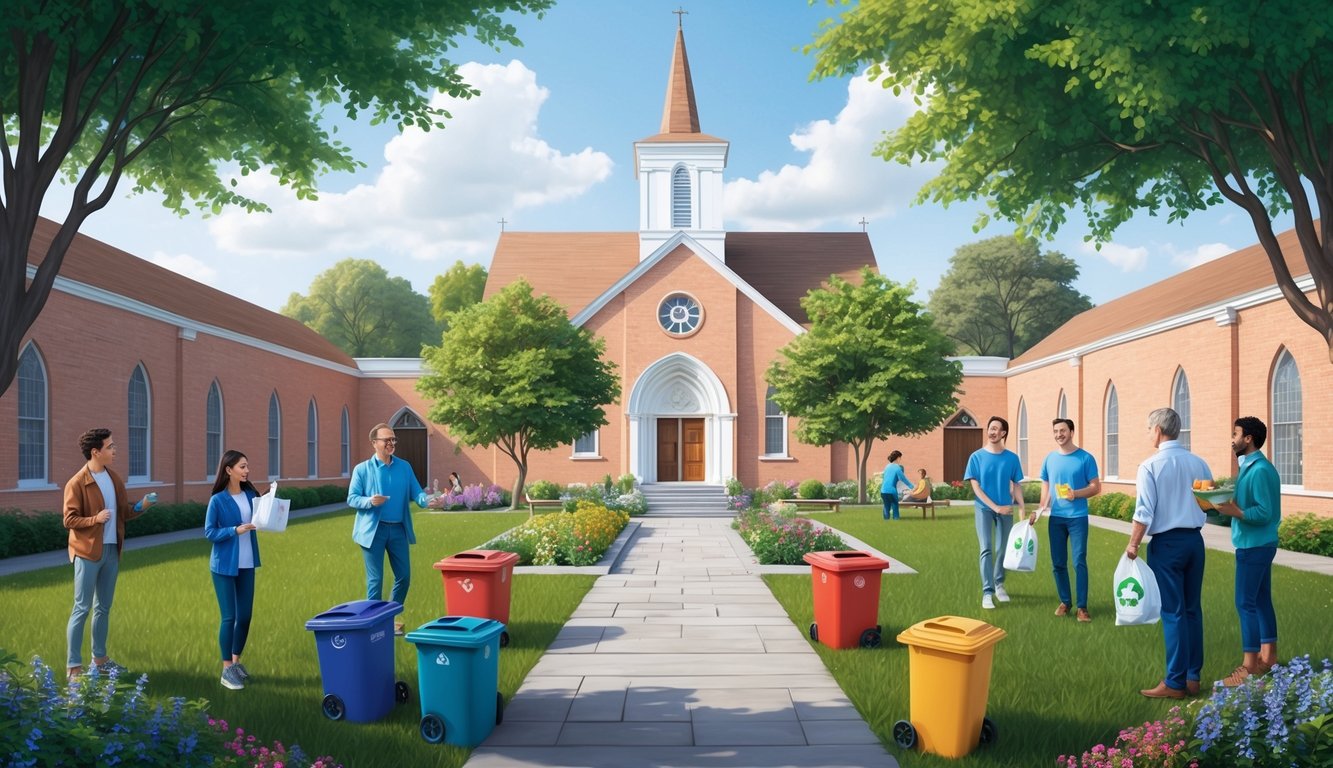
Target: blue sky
548,146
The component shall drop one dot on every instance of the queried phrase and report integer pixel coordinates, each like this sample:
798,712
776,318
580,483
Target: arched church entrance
412,444
681,426
962,436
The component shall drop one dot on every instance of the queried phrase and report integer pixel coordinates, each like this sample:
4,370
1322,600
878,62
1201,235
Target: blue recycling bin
458,675
355,644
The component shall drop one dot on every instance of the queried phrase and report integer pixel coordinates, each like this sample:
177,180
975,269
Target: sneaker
231,678
1084,616
1000,594
241,670
987,602
1062,609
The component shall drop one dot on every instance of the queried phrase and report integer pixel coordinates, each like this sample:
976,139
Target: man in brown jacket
96,509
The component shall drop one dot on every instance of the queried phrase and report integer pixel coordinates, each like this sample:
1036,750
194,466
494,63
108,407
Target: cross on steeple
863,223
680,16
502,223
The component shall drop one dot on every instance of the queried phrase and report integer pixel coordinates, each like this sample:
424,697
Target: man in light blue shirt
996,474
1167,511
1068,479
380,490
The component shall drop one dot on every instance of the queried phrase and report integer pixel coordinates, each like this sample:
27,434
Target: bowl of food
1210,494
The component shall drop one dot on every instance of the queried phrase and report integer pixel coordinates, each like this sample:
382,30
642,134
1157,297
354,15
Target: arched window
1023,436
1062,407
34,421
1112,457
1287,440
407,420
1180,402
213,429
775,426
312,440
680,198
274,437
345,445
586,445
141,414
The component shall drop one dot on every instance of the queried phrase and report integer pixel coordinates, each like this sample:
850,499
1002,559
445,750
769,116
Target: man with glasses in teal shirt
380,490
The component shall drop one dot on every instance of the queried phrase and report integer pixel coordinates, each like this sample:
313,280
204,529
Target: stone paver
681,656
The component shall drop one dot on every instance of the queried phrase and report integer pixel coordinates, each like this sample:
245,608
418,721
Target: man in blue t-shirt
996,474
1068,479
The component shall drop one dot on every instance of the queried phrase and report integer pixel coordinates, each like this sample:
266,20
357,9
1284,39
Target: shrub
1306,532
1284,718
843,489
164,518
811,489
1115,505
1160,744
543,489
24,534
734,487
332,494
956,489
563,539
777,539
626,483
1031,492
781,490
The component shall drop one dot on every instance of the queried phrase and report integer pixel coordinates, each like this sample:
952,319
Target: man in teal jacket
1255,513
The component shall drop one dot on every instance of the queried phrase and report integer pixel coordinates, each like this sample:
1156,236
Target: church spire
680,115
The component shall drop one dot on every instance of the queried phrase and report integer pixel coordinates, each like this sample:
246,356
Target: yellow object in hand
1064,491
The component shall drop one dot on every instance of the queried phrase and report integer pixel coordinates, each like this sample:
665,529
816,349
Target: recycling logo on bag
1032,546
1129,592
1018,543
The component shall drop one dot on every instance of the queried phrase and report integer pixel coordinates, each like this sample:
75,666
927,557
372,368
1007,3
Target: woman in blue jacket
234,560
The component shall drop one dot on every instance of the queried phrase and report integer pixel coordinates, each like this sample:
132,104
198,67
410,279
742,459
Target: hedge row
29,533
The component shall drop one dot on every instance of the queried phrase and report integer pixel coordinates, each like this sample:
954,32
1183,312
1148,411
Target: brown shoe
1083,615
1238,675
1192,687
1163,691
1062,609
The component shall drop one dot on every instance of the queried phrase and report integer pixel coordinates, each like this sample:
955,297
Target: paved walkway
680,657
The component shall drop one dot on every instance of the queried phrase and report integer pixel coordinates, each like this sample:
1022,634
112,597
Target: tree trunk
516,501
861,453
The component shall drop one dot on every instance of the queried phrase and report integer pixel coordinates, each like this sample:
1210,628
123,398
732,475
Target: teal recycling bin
458,674
355,645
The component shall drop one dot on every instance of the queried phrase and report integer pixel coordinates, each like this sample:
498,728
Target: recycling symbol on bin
466,584
859,581
338,641
1129,592
442,660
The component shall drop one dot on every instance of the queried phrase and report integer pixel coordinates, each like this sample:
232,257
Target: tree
356,305
1002,295
461,286
1115,106
174,95
872,365
513,372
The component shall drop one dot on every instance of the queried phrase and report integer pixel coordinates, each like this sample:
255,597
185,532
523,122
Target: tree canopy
1114,107
1002,295
356,305
871,365
461,286
179,96
513,372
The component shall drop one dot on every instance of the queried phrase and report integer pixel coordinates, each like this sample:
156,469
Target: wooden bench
833,504
923,505
534,503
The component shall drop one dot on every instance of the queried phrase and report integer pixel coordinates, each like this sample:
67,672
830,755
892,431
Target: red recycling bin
846,597
477,583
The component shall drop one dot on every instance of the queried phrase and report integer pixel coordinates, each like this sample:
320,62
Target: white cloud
440,192
184,264
1199,255
842,181
1123,257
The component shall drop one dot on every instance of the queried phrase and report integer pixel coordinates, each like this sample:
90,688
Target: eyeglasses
388,440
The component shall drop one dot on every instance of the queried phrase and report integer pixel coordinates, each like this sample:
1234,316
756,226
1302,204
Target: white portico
681,424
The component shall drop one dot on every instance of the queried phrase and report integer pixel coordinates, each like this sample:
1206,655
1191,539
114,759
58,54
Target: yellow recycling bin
950,660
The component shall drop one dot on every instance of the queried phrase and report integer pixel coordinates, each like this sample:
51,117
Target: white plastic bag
270,512
1137,599
1020,554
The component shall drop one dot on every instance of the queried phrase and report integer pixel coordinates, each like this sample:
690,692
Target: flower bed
1300,532
561,538
776,538
617,495
473,497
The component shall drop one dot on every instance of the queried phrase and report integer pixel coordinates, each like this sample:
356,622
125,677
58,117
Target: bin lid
846,560
478,560
952,633
456,631
357,614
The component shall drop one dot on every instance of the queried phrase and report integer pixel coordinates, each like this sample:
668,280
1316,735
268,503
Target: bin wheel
904,734
333,707
499,709
432,729
401,693
870,638
504,639
989,733
814,631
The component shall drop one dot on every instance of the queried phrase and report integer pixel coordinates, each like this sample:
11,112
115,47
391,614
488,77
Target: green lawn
165,624
1057,686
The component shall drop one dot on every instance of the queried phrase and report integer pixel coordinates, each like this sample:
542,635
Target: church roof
574,268
680,114
110,269
1216,282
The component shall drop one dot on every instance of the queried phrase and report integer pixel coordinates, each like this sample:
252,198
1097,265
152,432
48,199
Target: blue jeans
1075,531
1254,597
94,589
890,504
1177,560
390,538
236,602
992,567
